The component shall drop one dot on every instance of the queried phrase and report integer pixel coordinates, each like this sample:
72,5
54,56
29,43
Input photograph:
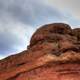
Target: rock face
53,54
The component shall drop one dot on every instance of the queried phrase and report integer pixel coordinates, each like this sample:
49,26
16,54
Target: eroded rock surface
53,54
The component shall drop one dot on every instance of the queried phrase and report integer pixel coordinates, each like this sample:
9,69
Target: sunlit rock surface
53,54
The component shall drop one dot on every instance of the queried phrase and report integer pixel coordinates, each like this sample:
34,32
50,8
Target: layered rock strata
53,54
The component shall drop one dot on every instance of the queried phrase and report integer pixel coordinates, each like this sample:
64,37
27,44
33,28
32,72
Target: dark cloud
29,11
7,43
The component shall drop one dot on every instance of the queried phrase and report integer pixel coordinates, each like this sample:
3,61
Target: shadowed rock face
53,54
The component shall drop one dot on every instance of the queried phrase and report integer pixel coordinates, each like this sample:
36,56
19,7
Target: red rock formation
53,54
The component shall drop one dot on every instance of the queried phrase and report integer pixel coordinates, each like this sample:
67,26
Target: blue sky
20,18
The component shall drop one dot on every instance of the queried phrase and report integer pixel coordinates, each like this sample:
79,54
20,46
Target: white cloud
1,57
71,6
14,35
